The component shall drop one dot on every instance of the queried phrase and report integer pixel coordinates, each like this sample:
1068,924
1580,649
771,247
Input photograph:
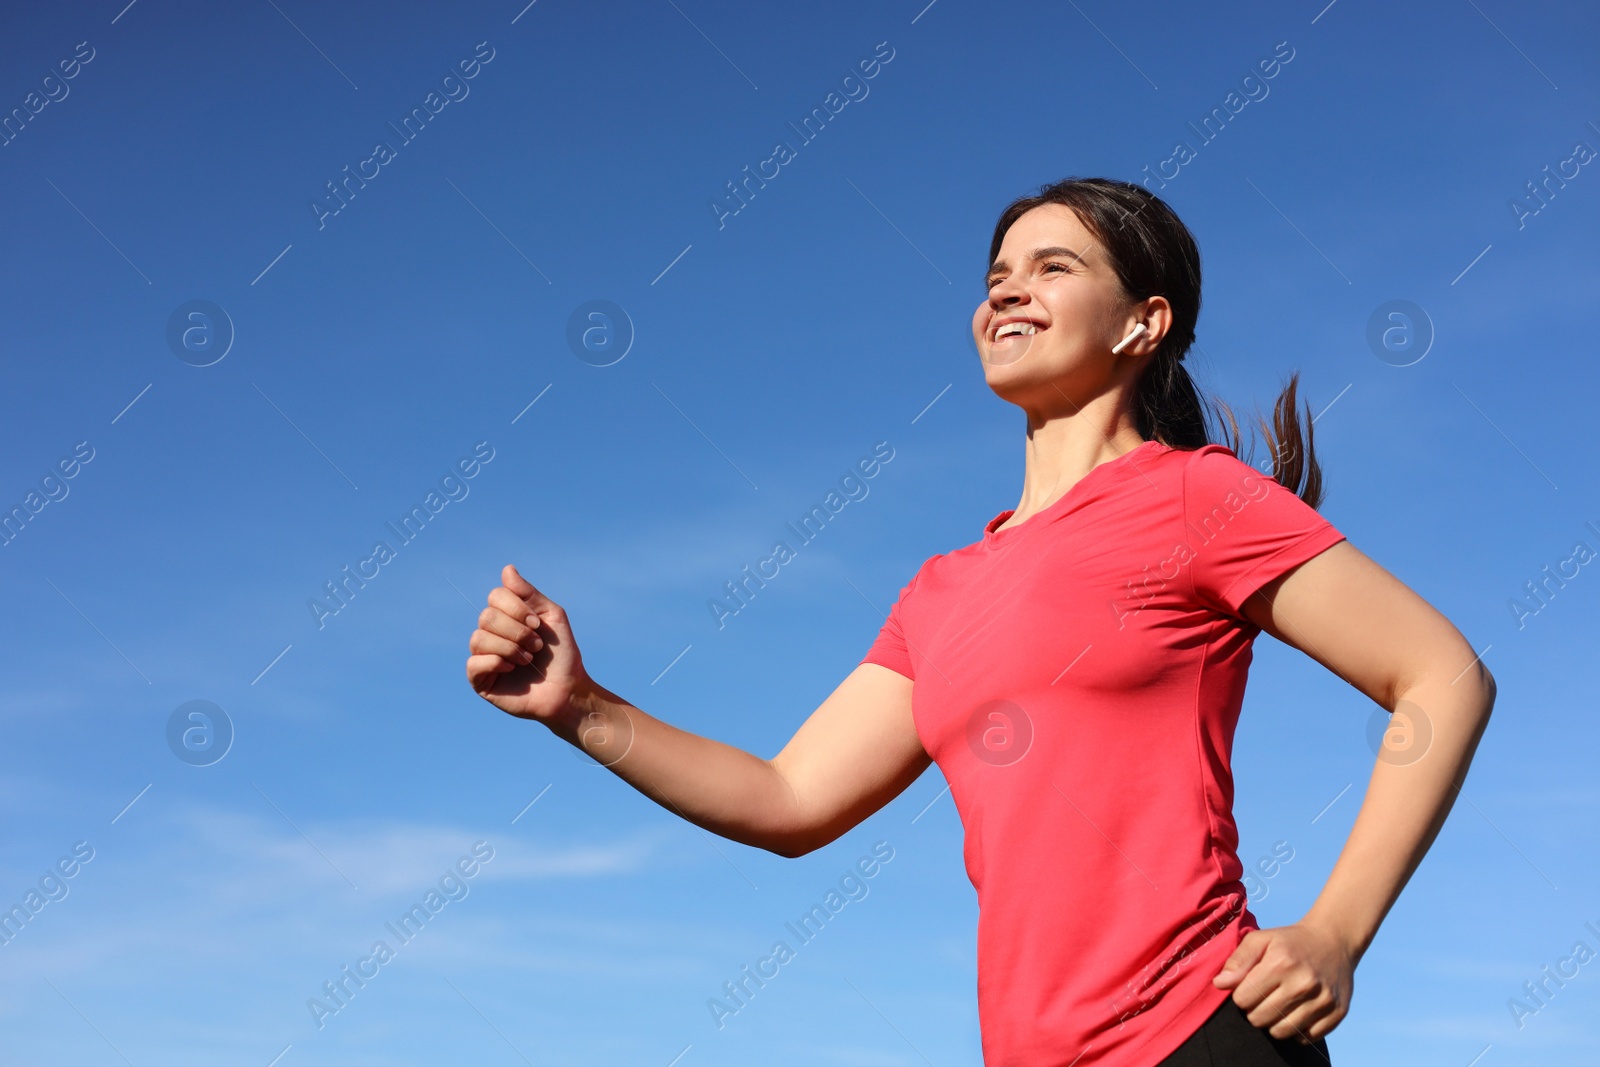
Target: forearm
1406,803
718,787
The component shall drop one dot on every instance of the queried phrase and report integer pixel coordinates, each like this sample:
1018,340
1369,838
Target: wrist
595,721
583,700
1351,936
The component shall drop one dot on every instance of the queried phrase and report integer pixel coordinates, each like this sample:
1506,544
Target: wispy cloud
220,884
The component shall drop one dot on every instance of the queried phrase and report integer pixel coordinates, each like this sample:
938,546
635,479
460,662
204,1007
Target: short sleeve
890,648
1245,529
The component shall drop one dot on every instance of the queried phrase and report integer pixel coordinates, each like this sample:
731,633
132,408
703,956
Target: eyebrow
1037,254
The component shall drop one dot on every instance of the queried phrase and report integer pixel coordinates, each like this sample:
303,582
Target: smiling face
1055,309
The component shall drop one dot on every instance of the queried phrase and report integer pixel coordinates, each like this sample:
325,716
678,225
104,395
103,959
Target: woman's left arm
1358,620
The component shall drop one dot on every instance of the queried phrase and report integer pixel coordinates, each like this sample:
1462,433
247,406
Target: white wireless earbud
1137,330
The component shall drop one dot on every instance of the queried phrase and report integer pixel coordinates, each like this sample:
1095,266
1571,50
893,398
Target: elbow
1475,676
789,849
802,842
1487,689
791,833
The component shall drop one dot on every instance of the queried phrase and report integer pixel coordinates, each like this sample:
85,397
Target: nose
1006,292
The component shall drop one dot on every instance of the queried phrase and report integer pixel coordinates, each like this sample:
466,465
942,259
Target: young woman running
1077,673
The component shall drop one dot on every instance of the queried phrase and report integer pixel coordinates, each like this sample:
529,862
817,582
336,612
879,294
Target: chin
1015,383
1033,376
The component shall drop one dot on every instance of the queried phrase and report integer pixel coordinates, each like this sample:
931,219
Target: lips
1007,328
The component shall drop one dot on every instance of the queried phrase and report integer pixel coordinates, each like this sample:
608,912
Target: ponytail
1294,463
1167,406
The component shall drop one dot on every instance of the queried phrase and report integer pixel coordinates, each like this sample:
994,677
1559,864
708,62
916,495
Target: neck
1060,450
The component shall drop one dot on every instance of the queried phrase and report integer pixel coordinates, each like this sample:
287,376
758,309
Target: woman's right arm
855,753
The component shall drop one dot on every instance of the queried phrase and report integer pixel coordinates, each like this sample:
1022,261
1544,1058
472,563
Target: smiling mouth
1015,329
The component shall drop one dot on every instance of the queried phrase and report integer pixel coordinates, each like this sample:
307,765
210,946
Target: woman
1077,674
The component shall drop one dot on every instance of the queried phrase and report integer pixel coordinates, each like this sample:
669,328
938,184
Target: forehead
1047,224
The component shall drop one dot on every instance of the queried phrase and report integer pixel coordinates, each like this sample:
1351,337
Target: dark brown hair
1154,254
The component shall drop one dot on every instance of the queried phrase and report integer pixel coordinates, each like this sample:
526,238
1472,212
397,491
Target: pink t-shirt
1078,678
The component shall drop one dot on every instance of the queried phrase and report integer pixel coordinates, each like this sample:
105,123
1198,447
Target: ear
1156,314
1157,318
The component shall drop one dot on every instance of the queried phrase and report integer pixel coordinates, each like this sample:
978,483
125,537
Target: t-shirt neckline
1097,473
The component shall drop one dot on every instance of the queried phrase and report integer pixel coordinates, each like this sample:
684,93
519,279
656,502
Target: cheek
1074,305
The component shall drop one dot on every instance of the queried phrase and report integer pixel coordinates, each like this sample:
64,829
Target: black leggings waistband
1228,1039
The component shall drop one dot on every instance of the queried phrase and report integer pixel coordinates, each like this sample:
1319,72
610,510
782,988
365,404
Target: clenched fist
524,659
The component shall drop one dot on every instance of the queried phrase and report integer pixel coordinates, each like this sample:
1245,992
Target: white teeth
1026,329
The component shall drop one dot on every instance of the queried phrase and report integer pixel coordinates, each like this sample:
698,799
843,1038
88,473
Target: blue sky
375,347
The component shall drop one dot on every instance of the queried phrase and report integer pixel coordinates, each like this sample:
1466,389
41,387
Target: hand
1295,980
524,658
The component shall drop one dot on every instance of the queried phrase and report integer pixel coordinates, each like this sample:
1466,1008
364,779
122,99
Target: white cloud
225,885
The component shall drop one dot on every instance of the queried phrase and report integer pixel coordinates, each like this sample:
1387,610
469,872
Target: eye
1063,266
